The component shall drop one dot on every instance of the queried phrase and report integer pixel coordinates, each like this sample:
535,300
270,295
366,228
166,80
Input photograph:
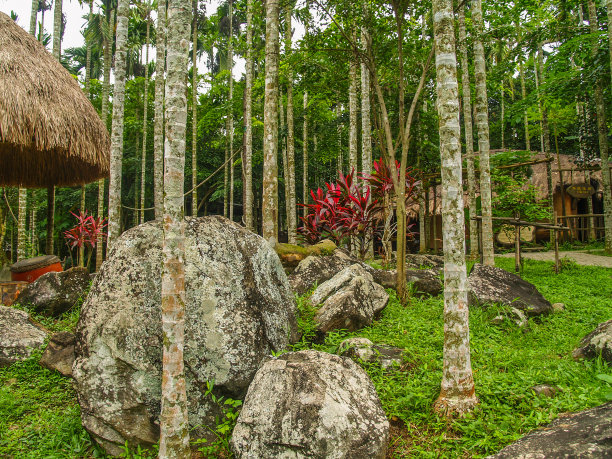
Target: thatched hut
50,134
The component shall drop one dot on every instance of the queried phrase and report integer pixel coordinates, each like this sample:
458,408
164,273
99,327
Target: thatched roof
50,134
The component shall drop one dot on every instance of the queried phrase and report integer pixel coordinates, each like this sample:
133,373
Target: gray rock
426,282
19,336
596,343
350,300
239,308
585,434
558,307
318,269
56,292
546,390
310,404
515,315
59,354
488,285
365,350
419,261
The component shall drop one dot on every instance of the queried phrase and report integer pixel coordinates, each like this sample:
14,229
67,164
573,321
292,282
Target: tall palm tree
248,121
114,193
143,163
158,140
230,114
457,393
174,423
270,148
290,199
194,112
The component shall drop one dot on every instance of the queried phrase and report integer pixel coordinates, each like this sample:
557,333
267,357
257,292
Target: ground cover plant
39,415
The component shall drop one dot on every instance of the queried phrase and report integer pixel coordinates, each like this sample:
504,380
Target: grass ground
39,416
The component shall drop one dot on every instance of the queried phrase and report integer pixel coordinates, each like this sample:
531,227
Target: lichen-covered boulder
56,292
239,308
585,434
420,261
489,285
350,300
19,336
315,270
596,343
59,353
363,349
425,282
314,405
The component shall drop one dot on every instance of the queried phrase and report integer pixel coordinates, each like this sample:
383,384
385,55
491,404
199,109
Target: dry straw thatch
50,134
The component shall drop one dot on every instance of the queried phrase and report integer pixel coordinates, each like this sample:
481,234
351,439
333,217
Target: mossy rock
291,254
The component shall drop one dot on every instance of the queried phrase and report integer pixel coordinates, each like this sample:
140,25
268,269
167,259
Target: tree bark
457,393
602,131
114,193
339,130
270,167
145,128
305,156
248,122
291,198
469,136
366,123
21,223
33,16
524,96
231,111
545,134
283,142
194,113
174,424
353,151
158,129
482,121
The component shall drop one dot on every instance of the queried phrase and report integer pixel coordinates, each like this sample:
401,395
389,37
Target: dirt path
582,258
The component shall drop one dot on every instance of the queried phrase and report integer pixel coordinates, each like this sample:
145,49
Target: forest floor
582,257
39,415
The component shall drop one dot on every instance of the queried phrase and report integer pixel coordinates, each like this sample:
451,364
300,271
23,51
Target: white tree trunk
482,121
174,424
248,122
231,112
114,193
353,150
194,113
457,393
158,130
291,198
270,167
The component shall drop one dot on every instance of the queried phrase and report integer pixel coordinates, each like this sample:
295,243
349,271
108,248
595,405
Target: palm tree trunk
524,96
339,129
366,124
270,168
174,423
482,121
194,113
305,156
545,133
114,193
145,125
231,110
469,137
21,223
353,151
283,141
602,131
457,394
291,198
33,16
248,122
158,130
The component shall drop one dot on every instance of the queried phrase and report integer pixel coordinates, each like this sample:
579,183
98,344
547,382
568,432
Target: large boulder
59,353
596,343
19,336
583,434
489,285
54,293
311,404
315,270
239,308
426,282
350,300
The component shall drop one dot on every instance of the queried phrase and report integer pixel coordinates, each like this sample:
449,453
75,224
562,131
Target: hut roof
50,134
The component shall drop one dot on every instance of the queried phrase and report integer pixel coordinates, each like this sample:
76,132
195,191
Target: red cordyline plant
85,233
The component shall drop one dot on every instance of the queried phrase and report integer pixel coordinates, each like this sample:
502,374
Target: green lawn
39,416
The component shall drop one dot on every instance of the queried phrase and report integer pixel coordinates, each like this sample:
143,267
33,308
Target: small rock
558,307
365,350
59,354
425,281
498,320
56,292
546,390
311,404
520,318
596,343
585,434
19,336
490,285
350,300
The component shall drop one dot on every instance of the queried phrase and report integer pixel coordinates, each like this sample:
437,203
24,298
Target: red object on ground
30,269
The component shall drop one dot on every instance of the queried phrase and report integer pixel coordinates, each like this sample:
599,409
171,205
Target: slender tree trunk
231,112
174,423
194,113
33,16
457,394
57,28
524,96
283,142
33,238
602,131
545,132
248,122
339,129
21,225
469,137
366,124
291,198
226,172
145,125
482,121
270,169
305,156
158,130
114,193
353,150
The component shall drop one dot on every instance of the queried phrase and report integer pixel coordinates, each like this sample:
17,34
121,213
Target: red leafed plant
86,232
